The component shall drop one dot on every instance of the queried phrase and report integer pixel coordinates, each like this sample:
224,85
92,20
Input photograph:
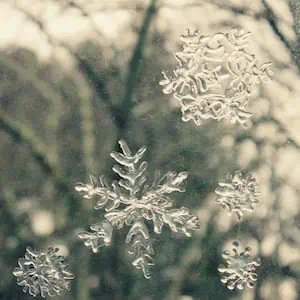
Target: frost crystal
132,202
238,193
239,269
43,273
215,76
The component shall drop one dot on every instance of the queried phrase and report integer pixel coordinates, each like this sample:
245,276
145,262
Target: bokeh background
76,76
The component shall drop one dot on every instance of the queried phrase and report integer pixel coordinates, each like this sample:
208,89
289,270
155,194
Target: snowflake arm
160,204
140,247
105,194
133,175
43,273
169,183
100,236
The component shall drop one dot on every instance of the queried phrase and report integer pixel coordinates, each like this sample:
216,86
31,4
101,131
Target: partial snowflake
132,202
215,77
43,273
239,269
238,193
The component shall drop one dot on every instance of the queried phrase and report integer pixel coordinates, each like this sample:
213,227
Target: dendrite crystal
215,76
132,202
238,193
43,273
239,269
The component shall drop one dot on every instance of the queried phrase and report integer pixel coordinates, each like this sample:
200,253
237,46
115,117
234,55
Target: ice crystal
43,273
132,202
215,76
238,193
239,269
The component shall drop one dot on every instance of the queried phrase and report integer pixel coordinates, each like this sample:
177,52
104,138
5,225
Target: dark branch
295,10
134,64
220,5
89,75
25,136
271,18
281,128
45,89
85,14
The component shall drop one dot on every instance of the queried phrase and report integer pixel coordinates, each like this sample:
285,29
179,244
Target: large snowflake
132,202
215,76
239,269
43,273
238,193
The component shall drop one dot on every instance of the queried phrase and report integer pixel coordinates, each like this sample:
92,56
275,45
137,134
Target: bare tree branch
87,15
271,18
45,90
134,64
89,75
219,4
24,136
281,128
295,10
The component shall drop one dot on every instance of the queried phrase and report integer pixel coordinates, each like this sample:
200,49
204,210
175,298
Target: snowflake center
239,263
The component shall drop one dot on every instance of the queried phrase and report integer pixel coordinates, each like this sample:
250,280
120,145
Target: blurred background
76,76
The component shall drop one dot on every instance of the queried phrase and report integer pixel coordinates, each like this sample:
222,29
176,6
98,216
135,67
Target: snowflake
215,76
43,273
239,269
238,193
132,202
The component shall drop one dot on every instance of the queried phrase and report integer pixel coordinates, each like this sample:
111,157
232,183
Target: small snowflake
215,77
43,273
239,269
238,193
132,202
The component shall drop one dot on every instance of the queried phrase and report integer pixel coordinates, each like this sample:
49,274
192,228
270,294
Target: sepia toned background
76,76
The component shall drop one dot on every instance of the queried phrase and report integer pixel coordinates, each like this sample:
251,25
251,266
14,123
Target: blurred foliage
66,101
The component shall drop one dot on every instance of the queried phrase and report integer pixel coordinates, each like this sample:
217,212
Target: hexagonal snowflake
43,273
239,269
238,193
215,77
132,202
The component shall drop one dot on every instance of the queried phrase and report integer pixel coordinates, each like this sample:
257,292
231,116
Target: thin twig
244,11
89,75
87,15
272,20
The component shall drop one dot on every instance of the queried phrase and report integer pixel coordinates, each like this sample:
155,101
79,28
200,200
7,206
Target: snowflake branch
133,175
100,236
141,247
